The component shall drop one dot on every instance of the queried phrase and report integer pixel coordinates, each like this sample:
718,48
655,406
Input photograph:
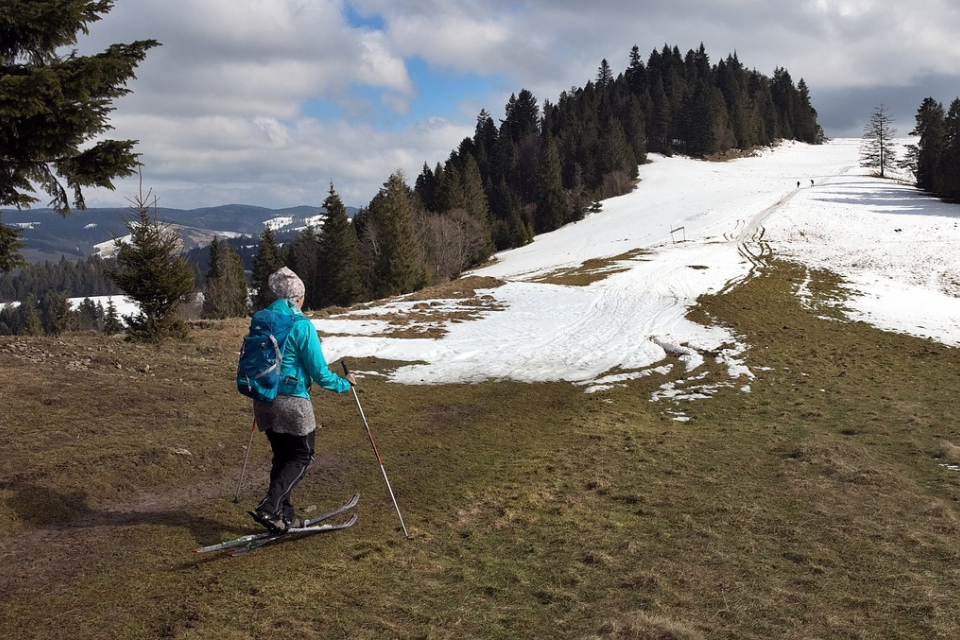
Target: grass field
817,504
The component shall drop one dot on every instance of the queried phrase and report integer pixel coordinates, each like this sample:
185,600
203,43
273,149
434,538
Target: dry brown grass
643,626
432,311
815,506
591,271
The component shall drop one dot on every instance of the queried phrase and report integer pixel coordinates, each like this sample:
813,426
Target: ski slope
689,228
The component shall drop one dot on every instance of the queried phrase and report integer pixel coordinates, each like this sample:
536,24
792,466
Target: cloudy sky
268,102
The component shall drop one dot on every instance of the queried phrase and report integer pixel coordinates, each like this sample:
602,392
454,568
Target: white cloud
200,162
227,104
379,68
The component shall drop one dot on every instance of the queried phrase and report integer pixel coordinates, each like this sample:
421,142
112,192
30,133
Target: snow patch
893,244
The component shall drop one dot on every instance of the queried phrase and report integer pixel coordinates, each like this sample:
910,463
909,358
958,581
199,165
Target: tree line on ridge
544,166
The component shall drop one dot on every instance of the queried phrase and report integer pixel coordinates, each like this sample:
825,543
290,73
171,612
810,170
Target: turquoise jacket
303,361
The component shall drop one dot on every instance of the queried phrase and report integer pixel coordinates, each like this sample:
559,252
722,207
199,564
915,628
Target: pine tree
503,165
604,76
235,278
449,193
341,282
509,229
426,187
635,130
152,271
111,320
807,130
698,131
304,260
10,247
28,322
56,316
8,321
949,165
659,127
930,122
617,156
877,146
636,73
551,210
484,142
225,291
522,116
521,126
268,259
215,260
397,266
785,102
728,76
477,207
89,318
699,66
54,102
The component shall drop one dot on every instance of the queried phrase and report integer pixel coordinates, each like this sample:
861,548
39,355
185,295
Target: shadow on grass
45,508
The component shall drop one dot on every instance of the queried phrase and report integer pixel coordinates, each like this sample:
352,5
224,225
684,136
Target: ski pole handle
346,374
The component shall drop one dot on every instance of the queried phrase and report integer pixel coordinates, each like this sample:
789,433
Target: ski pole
243,470
346,372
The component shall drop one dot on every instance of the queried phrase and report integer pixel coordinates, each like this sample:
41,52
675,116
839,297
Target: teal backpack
258,372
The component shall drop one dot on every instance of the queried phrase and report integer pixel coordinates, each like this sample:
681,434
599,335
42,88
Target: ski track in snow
733,216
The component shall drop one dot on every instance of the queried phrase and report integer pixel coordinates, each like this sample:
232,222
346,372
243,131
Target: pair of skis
253,541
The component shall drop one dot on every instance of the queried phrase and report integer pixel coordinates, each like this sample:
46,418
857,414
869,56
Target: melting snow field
690,228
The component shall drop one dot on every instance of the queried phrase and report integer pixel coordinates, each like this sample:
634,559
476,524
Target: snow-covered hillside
690,228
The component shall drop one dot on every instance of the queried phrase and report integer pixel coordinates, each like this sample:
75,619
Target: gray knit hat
285,284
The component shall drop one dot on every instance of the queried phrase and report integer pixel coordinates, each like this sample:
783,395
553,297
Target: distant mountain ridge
49,236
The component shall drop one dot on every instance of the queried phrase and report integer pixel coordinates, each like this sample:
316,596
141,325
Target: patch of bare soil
44,554
50,554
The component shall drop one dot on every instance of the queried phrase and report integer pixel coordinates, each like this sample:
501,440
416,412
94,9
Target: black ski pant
291,457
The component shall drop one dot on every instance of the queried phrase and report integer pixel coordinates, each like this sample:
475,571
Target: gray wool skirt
286,414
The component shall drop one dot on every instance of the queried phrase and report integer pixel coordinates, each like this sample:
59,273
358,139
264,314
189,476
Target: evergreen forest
541,167
935,159
75,278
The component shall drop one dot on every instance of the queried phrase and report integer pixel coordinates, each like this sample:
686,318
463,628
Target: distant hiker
811,183
798,184
288,420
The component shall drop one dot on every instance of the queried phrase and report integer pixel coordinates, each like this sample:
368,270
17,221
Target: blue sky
357,20
268,102
438,94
